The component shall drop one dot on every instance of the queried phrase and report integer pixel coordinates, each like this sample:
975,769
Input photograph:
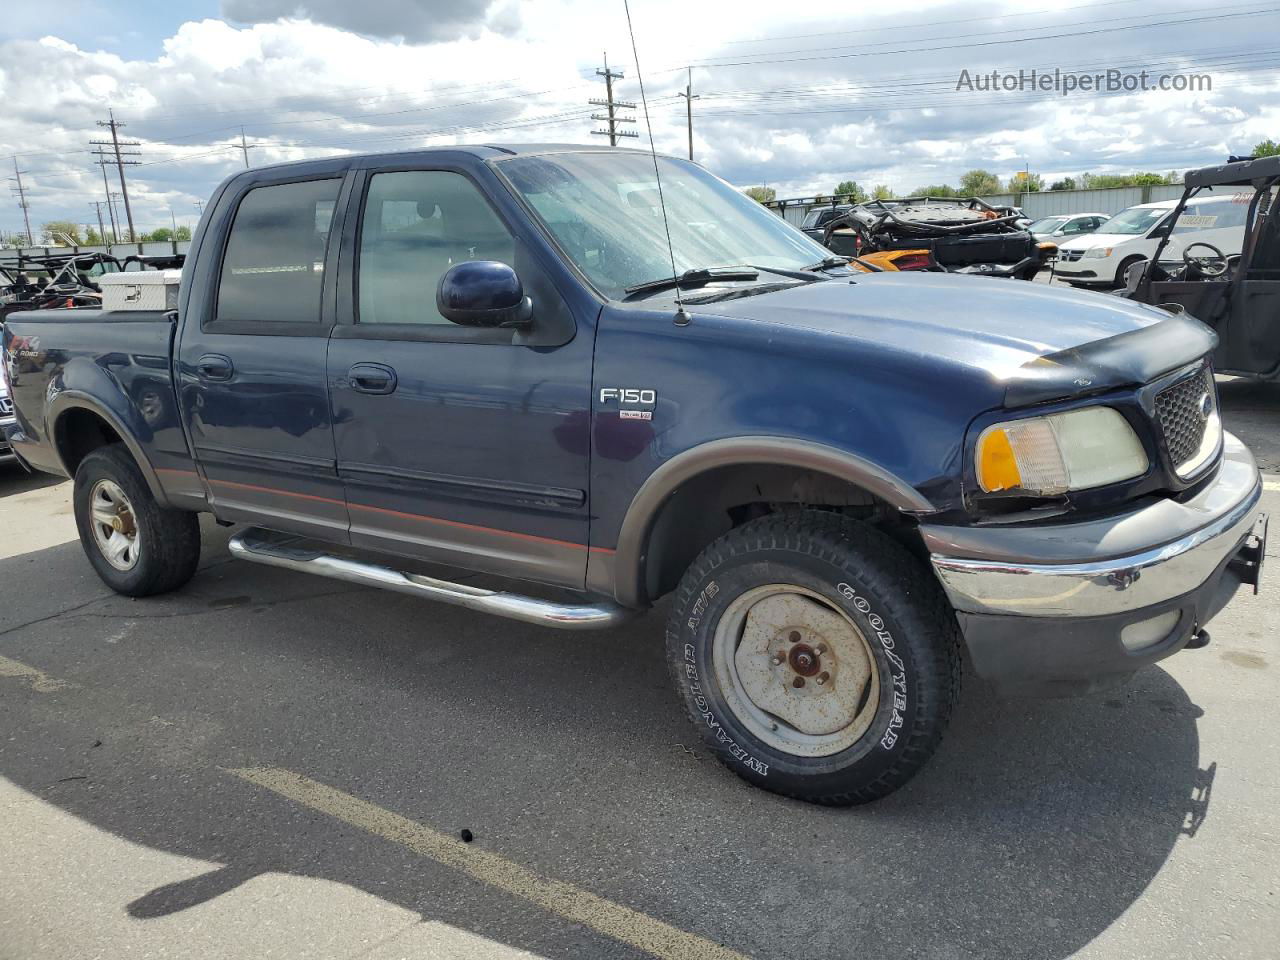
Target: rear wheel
816,657
137,547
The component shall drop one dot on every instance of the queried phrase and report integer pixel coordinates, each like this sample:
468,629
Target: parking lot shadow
14,479
1034,828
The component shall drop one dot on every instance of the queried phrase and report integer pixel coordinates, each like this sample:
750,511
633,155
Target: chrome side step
293,553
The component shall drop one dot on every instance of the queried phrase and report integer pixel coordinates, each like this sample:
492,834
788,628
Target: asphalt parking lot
270,765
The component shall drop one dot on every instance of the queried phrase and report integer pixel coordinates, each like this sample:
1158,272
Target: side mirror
483,293
1060,232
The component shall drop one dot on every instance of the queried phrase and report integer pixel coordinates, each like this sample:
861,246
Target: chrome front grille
1187,411
1070,256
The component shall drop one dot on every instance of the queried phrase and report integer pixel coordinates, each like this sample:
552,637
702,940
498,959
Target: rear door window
273,268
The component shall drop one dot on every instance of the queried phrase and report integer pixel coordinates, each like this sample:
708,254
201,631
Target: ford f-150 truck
492,359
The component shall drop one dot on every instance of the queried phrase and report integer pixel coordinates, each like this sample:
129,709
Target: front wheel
816,657
137,547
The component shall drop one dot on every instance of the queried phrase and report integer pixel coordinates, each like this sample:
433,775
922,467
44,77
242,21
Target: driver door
466,446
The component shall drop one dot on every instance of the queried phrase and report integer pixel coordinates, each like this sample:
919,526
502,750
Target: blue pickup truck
492,359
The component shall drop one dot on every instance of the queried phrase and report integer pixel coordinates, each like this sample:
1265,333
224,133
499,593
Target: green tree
1066,183
850,189
158,235
1267,148
1023,182
58,232
761,194
882,192
935,190
184,233
978,183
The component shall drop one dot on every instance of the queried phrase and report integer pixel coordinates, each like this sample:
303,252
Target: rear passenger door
251,362
462,445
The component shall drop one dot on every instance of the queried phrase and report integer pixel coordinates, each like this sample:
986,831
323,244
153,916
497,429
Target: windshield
602,208
1135,220
1047,225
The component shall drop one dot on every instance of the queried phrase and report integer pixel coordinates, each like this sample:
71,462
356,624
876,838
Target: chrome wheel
795,670
115,531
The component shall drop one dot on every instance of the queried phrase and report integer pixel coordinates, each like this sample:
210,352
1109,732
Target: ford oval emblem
1206,405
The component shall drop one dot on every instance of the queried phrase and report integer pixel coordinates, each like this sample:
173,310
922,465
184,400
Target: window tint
273,270
416,225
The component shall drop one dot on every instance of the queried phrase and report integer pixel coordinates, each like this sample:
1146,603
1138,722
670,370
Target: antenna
681,317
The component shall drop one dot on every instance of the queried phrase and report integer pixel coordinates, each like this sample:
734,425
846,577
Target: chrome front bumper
1120,564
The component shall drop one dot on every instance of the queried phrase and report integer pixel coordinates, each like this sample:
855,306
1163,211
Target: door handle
375,378
214,366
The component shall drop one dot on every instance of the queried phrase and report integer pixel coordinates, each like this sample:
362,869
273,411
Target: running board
294,553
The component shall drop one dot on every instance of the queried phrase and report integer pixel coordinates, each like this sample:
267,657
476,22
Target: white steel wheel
795,670
115,529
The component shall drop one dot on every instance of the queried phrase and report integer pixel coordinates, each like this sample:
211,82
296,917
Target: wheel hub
115,531
804,669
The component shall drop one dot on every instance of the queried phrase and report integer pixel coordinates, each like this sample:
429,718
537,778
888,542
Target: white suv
1101,258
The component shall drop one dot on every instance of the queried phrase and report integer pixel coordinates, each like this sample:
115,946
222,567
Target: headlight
1063,451
1097,253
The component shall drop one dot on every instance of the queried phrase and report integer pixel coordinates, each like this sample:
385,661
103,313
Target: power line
773,58
120,162
936,23
613,106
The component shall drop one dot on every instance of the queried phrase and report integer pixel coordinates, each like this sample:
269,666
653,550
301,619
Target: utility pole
112,197
245,147
120,162
199,205
173,217
102,231
689,97
102,161
613,106
22,202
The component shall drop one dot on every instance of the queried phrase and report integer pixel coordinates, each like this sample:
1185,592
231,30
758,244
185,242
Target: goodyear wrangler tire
817,658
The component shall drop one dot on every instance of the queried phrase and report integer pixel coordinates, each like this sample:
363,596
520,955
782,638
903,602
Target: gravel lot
271,765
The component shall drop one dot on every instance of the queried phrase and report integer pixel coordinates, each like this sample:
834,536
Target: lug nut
798,682
776,660
795,637
823,678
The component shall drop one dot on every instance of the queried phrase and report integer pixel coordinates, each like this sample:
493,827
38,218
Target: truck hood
1039,342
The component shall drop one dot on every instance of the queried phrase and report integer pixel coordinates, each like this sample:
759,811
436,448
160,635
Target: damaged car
947,235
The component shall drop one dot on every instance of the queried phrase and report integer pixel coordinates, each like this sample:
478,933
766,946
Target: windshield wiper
737,293
692,278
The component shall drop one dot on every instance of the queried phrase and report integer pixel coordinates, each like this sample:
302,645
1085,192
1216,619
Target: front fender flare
629,559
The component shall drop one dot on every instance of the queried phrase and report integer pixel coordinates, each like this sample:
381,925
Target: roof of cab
484,151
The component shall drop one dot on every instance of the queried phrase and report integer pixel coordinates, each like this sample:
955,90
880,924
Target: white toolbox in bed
140,290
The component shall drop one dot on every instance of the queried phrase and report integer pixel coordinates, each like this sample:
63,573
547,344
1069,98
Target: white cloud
379,77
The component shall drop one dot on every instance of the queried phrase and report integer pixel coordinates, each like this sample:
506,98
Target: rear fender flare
67,400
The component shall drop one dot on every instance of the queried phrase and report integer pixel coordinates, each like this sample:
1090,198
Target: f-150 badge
634,403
